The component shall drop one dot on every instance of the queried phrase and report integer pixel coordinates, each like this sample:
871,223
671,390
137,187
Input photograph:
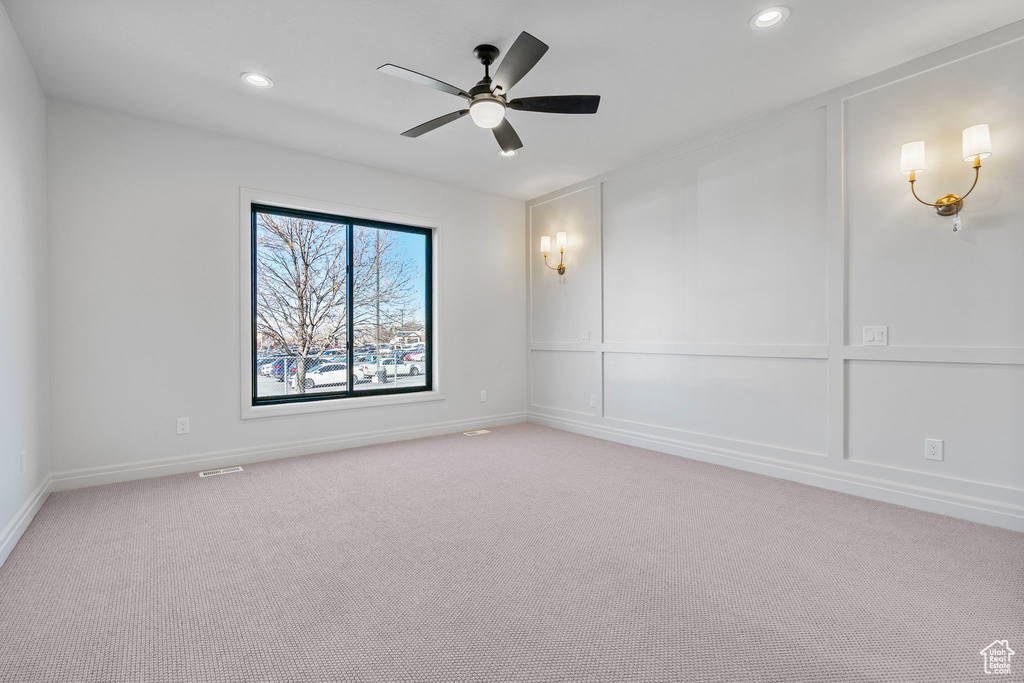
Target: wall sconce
545,247
977,146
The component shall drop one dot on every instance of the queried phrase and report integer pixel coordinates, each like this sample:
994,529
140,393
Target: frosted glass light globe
487,113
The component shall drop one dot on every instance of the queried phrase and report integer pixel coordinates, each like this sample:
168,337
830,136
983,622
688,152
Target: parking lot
271,386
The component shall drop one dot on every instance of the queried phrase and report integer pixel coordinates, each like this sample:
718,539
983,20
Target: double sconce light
545,247
977,146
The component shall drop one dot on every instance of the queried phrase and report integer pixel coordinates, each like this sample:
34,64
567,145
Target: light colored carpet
527,555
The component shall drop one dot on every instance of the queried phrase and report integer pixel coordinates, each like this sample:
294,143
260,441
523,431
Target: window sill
250,412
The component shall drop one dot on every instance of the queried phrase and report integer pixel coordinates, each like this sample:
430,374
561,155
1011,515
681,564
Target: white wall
23,321
144,254
729,280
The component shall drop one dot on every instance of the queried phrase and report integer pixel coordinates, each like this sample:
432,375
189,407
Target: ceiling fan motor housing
482,91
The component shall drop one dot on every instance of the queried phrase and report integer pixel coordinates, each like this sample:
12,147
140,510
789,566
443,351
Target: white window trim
248,197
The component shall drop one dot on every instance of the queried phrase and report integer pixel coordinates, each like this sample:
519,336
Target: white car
391,368
328,373
266,368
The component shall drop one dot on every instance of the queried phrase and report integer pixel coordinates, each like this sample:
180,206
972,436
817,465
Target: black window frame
350,223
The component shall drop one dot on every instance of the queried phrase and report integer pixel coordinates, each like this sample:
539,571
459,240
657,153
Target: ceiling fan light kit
488,99
487,113
486,109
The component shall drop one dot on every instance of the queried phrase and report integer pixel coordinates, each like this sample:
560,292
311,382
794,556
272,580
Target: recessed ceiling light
257,80
510,153
766,18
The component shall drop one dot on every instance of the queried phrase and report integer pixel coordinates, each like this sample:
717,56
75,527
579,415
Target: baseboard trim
145,469
12,533
994,513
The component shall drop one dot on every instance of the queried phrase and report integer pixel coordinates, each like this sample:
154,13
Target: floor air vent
477,432
226,470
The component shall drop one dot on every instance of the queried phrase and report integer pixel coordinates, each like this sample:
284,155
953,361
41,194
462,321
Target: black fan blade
558,104
417,77
434,123
518,61
507,137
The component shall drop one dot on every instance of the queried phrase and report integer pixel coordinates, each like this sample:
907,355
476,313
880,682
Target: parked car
389,367
311,364
325,374
276,368
268,367
364,369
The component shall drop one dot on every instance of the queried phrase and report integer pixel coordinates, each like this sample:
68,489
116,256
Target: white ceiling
667,70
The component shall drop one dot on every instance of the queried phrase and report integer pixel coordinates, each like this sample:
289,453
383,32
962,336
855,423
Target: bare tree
383,284
301,283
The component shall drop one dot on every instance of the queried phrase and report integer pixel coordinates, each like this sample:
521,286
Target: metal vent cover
226,470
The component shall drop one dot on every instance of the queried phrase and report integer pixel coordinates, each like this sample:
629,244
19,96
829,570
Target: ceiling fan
488,99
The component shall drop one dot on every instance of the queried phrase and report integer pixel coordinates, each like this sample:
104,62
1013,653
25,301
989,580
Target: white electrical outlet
593,400
933,449
24,462
584,335
483,396
182,425
876,335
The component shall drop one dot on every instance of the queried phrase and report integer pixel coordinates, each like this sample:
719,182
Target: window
341,307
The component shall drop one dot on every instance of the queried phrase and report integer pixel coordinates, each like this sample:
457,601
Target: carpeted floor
527,555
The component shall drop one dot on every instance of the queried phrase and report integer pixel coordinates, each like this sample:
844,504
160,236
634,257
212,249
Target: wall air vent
477,432
226,470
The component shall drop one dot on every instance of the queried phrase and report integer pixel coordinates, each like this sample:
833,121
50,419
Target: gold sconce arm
950,203
561,262
545,246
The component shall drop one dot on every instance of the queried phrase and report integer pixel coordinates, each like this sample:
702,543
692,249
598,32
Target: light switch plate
876,335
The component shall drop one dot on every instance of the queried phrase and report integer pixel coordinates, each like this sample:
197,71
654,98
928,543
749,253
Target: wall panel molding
950,55
987,509
903,236
936,354
911,354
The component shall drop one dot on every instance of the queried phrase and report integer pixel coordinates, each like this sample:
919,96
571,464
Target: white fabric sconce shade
912,157
977,142
545,247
